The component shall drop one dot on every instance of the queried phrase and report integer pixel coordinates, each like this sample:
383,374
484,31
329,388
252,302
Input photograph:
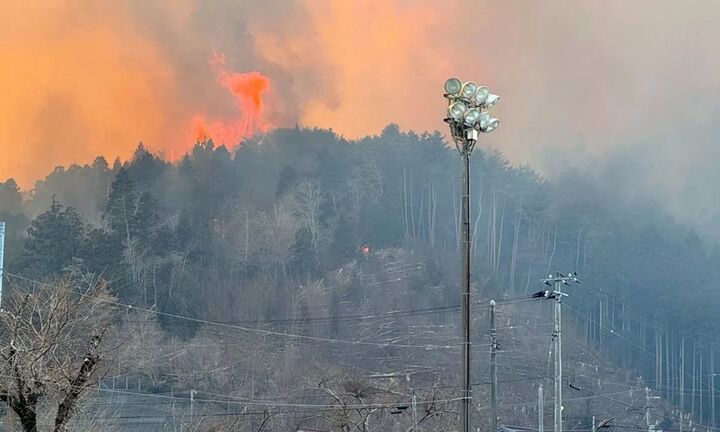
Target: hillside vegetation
303,268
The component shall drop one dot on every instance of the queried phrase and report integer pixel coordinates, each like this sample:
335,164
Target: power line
579,398
340,318
668,363
606,397
285,334
273,332
361,317
248,329
278,404
628,341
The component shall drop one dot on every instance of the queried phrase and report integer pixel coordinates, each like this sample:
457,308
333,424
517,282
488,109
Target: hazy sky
621,89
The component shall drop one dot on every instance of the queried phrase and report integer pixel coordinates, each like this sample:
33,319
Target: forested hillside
320,253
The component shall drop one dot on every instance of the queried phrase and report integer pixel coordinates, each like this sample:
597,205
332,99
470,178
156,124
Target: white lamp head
481,95
456,111
468,90
453,86
490,125
491,100
472,116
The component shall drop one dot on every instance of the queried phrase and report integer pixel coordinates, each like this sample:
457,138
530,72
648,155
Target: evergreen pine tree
54,239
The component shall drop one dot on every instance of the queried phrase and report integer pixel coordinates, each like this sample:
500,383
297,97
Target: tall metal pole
465,288
493,369
2,251
558,355
467,116
541,405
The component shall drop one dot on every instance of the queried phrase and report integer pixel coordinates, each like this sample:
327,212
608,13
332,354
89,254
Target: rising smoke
247,90
615,79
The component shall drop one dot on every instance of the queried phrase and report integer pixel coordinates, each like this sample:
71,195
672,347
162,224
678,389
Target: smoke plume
247,90
580,80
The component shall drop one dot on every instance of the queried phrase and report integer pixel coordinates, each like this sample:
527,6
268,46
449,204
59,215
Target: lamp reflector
481,95
468,90
491,100
490,125
456,111
453,86
472,116
484,118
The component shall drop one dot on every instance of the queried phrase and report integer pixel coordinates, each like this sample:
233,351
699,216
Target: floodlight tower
467,116
2,251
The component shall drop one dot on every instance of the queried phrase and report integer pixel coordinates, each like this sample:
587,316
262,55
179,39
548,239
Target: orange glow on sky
74,86
247,90
81,79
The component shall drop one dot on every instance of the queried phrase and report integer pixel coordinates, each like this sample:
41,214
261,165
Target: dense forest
302,232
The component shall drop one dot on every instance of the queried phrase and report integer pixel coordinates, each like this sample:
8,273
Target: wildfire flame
247,90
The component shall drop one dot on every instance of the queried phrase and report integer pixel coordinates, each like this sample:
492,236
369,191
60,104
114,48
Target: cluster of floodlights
466,105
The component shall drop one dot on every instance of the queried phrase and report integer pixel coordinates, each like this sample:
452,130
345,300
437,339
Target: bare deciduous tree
276,232
307,198
54,342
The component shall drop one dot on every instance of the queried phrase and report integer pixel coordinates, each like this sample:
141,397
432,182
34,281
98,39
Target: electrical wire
247,329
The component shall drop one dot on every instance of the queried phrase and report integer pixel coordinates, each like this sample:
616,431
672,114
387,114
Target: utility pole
712,387
558,356
650,427
493,368
701,390
414,412
556,282
682,381
694,381
681,420
647,408
541,414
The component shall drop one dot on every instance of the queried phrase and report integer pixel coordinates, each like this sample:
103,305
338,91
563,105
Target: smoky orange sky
578,78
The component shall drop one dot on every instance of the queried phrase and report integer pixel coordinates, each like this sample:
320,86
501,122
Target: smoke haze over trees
273,232
212,226
593,94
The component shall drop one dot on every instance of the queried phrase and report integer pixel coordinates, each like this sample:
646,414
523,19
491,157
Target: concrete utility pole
541,415
556,282
414,412
558,357
682,382
493,368
712,387
647,408
650,426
